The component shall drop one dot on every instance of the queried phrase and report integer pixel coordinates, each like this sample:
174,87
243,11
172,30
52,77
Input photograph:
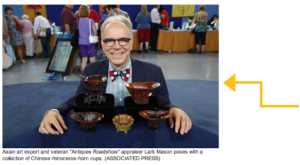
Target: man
42,22
69,23
155,22
68,19
116,34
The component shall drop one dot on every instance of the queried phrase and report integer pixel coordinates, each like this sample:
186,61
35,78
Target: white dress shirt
40,21
155,18
117,88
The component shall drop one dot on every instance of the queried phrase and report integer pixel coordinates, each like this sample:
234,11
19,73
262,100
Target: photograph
110,76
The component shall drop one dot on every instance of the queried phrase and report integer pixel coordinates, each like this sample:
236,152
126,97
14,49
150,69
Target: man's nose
117,45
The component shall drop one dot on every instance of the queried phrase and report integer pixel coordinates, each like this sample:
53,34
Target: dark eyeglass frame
127,40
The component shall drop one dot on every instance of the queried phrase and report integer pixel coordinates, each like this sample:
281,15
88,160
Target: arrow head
231,82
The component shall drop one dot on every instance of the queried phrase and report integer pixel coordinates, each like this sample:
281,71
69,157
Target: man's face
117,55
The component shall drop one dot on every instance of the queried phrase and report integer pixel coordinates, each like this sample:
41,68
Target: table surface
106,136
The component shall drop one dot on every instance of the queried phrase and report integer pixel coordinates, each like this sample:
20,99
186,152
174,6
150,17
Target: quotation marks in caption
92,155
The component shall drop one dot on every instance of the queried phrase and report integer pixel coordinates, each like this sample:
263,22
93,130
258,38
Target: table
182,41
52,41
107,137
136,44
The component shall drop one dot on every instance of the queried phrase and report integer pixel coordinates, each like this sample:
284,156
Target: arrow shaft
248,82
279,106
261,96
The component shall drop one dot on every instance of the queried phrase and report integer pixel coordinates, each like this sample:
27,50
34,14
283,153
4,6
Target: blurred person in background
213,21
114,10
85,26
104,15
68,19
200,19
155,22
143,20
27,33
164,16
5,39
16,39
190,20
69,25
42,22
4,28
93,15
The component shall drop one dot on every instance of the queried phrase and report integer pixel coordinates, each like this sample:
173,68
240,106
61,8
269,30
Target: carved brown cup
93,82
140,91
154,117
87,120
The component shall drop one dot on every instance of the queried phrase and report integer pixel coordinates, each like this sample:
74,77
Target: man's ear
131,44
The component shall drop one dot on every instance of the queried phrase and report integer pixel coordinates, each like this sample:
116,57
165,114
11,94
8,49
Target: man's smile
116,54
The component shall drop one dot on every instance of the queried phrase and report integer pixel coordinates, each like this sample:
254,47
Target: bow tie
123,74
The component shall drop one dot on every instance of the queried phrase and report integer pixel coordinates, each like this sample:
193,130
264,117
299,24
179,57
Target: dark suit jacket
141,72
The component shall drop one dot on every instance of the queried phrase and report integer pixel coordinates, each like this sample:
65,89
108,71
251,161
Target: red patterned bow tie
123,74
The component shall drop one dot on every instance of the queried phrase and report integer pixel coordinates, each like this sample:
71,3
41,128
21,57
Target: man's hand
52,117
182,120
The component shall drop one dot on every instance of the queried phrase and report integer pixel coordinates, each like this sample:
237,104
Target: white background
259,41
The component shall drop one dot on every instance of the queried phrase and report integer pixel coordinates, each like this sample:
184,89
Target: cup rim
157,84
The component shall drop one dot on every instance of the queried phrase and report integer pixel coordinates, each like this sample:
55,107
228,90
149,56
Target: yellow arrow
231,84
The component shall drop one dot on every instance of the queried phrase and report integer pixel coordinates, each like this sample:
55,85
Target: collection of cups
139,92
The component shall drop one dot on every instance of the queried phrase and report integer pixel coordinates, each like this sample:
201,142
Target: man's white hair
118,18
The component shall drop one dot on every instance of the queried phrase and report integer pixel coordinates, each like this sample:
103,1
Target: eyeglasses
111,42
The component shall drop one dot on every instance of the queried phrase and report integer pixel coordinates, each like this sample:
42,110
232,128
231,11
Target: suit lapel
137,75
104,71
